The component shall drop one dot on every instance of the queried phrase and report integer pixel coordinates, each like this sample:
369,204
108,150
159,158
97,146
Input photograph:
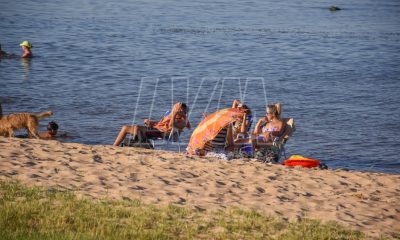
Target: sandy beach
369,202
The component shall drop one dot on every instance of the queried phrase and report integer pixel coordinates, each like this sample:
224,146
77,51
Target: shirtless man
51,132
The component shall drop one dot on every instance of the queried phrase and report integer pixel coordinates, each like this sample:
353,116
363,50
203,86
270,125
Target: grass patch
38,213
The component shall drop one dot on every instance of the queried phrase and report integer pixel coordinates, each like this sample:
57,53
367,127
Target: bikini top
269,129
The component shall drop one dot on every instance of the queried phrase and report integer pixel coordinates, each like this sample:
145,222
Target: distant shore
368,202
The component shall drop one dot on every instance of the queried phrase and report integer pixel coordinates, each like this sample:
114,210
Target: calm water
98,65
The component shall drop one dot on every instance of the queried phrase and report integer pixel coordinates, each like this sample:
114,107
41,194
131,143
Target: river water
101,64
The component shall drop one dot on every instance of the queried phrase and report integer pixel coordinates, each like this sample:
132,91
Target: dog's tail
44,114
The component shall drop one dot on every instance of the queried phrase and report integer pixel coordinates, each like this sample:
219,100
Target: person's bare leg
122,134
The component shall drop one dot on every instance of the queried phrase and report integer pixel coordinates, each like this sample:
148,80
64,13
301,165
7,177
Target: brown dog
30,121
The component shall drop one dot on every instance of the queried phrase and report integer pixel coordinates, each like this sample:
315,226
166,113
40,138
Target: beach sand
369,202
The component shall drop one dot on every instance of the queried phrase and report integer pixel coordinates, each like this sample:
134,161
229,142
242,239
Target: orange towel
211,125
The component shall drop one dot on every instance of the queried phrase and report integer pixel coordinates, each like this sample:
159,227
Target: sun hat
26,44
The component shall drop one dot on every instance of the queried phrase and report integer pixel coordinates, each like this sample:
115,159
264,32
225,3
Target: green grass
38,213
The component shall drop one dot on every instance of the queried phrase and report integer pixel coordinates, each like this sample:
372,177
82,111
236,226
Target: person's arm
235,103
243,127
257,128
149,122
26,54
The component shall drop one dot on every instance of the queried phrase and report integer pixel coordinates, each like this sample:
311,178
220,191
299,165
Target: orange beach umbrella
211,125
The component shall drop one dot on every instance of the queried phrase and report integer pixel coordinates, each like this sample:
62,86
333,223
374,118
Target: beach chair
150,142
274,152
171,138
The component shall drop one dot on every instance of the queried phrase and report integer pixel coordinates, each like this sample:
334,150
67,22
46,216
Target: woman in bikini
153,129
269,127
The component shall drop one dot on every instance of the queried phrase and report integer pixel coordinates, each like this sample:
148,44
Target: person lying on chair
269,127
177,118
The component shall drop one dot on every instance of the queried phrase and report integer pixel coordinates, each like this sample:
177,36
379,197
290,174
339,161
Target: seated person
241,128
270,127
153,129
228,136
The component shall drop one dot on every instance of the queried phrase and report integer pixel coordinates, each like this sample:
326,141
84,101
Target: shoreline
365,201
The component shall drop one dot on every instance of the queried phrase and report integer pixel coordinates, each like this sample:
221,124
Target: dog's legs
10,132
32,126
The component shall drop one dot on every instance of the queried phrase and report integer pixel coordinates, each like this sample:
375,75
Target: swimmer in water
51,132
2,53
26,49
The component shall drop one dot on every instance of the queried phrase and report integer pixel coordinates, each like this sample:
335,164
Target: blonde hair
275,108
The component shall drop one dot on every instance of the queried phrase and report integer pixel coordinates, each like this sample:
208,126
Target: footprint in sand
349,214
101,178
137,187
272,178
12,173
260,189
236,185
220,183
133,177
200,209
189,174
283,198
189,191
125,198
307,194
181,201
23,145
30,164
343,183
164,181
97,158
